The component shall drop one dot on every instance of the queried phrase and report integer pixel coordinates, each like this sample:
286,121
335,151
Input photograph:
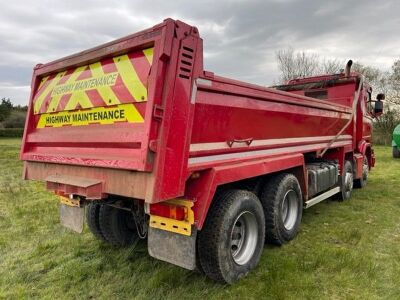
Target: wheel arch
206,184
254,184
365,148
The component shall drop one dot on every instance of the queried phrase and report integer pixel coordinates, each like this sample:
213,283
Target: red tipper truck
137,135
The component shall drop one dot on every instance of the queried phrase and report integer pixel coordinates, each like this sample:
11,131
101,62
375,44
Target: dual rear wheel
111,224
238,223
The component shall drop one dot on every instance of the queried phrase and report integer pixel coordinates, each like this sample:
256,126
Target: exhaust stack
348,68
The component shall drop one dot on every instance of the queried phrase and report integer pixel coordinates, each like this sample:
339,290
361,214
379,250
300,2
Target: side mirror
378,108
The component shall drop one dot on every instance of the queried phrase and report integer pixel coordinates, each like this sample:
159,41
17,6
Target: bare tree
331,66
394,82
383,82
295,65
372,74
302,64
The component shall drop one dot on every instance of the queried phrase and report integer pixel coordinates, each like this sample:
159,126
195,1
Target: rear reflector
168,211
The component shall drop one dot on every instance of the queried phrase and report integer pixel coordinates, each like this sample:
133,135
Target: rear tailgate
109,113
94,108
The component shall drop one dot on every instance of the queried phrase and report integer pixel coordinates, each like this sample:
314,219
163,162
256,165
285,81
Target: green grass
347,250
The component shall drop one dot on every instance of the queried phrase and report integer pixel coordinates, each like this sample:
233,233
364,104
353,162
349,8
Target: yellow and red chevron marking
109,82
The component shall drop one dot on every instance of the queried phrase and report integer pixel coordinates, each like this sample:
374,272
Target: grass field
347,250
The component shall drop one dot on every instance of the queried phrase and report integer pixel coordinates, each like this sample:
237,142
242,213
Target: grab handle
246,141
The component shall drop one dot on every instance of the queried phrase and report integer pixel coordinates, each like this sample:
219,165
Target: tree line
12,116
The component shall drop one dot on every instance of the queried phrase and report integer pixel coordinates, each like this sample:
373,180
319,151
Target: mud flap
174,248
72,217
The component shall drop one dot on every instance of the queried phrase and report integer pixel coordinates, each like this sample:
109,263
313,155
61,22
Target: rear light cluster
169,211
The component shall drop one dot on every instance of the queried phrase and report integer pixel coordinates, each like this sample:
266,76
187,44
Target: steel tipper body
206,167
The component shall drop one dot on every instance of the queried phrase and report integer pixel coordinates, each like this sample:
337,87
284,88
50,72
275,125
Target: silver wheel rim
244,237
348,183
289,209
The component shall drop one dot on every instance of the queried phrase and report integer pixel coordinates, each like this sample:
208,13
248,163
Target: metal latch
158,112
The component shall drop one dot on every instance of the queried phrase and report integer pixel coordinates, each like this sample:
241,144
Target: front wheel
346,182
361,182
232,239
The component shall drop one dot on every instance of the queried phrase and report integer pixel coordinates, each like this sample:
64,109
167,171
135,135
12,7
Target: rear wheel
396,152
92,219
117,226
283,208
361,182
346,182
232,239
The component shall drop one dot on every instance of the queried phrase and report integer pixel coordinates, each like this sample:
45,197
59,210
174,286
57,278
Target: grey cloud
240,37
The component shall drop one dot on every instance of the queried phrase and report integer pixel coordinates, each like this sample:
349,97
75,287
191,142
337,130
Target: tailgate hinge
153,145
158,112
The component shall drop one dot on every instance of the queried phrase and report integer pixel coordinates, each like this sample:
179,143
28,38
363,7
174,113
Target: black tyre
92,220
361,182
117,226
282,201
346,182
232,239
396,152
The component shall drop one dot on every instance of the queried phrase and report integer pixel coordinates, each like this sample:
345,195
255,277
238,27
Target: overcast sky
240,37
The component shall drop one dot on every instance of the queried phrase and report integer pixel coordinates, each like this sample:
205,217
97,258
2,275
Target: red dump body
140,118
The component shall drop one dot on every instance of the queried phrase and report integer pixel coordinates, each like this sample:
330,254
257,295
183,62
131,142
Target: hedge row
11,132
